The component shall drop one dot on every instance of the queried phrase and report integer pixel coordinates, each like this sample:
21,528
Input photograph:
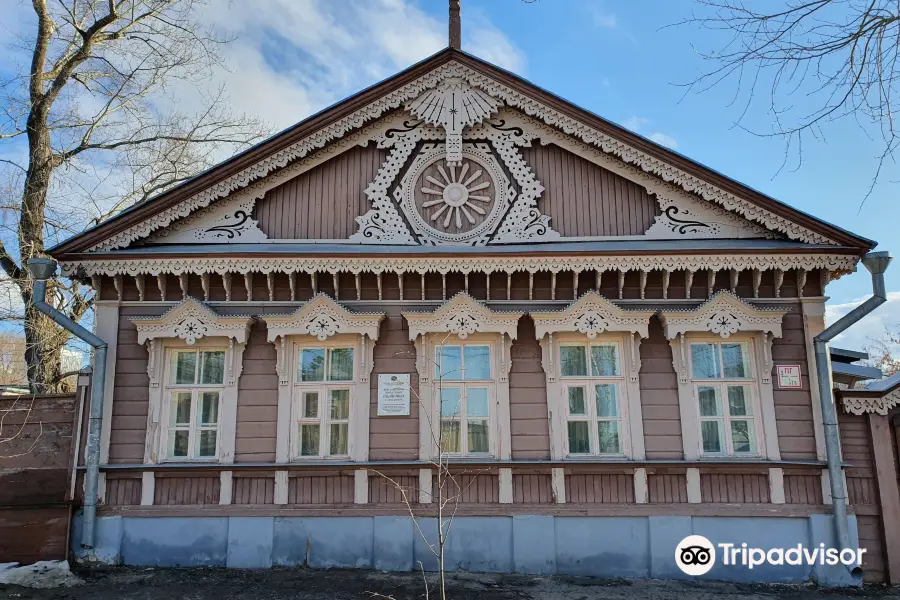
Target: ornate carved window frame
463,318
323,322
192,324
593,318
725,317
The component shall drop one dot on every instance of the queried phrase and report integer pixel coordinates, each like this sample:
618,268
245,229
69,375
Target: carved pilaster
688,283
621,283
779,280
139,284
183,284
204,283
226,283
117,283
665,280
643,276
270,283
161,284
801,281
248,284
757,279
292,281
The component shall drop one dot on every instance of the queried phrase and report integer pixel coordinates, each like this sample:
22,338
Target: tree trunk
43,338
43,353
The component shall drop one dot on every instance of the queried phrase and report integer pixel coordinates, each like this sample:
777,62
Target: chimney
455,26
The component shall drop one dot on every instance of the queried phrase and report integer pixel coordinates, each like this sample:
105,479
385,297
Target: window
723,388
593,384
323,394
464,389
195,382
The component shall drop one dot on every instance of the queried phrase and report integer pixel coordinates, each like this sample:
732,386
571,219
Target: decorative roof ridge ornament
723,314
192,320
592,314
453,105
462,315
322,317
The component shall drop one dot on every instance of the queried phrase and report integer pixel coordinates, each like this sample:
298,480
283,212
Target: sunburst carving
458,195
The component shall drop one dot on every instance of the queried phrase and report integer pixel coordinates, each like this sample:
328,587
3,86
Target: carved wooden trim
323,318
724,314
192,320
496,90
875,405
462,316
592,314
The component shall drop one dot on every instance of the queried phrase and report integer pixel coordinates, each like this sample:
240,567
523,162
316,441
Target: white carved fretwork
462,315
592,314
322,317
468,201
446,206
498,92
226,221
692,263
872,403
724,314
192,320
454,105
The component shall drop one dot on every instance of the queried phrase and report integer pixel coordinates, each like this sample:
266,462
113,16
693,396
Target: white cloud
602,18
635,123
317,52
663,139
639,125
862,334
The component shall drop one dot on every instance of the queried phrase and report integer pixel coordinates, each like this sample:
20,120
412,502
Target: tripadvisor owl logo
695,555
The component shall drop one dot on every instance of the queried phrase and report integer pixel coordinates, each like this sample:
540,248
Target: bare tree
884,352
813,62
449,484
91,106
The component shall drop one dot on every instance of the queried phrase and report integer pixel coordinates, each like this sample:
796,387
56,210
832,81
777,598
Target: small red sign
789,377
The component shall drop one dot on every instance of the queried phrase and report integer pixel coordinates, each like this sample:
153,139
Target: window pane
184,365
478,436
178,444
309,440
738,402
608,437
450,405
209,408
705,361
312,364
206,443
740,436
180,411
340,362
577,403
449,362
604,361
340,404
450,441
734,360
477,362
310,408
212,367
607,400
710,431
338,438
579,437
709,401
477,402
572,361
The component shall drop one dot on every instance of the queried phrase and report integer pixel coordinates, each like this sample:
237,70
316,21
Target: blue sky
616,58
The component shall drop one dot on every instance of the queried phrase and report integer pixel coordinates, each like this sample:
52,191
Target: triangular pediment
455,151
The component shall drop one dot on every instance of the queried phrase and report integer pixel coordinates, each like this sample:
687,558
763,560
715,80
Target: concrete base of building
603,547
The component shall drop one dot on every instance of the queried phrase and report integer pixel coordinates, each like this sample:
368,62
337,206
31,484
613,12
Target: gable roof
345,108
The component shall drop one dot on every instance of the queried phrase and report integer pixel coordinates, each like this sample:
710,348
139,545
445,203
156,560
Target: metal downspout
876,263
41,270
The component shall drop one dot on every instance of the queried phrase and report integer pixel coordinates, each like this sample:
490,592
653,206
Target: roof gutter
876,263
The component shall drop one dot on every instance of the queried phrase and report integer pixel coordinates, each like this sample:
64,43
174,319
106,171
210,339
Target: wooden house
609,344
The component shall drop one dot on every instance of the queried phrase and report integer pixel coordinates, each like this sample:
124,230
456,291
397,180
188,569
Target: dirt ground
306,584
